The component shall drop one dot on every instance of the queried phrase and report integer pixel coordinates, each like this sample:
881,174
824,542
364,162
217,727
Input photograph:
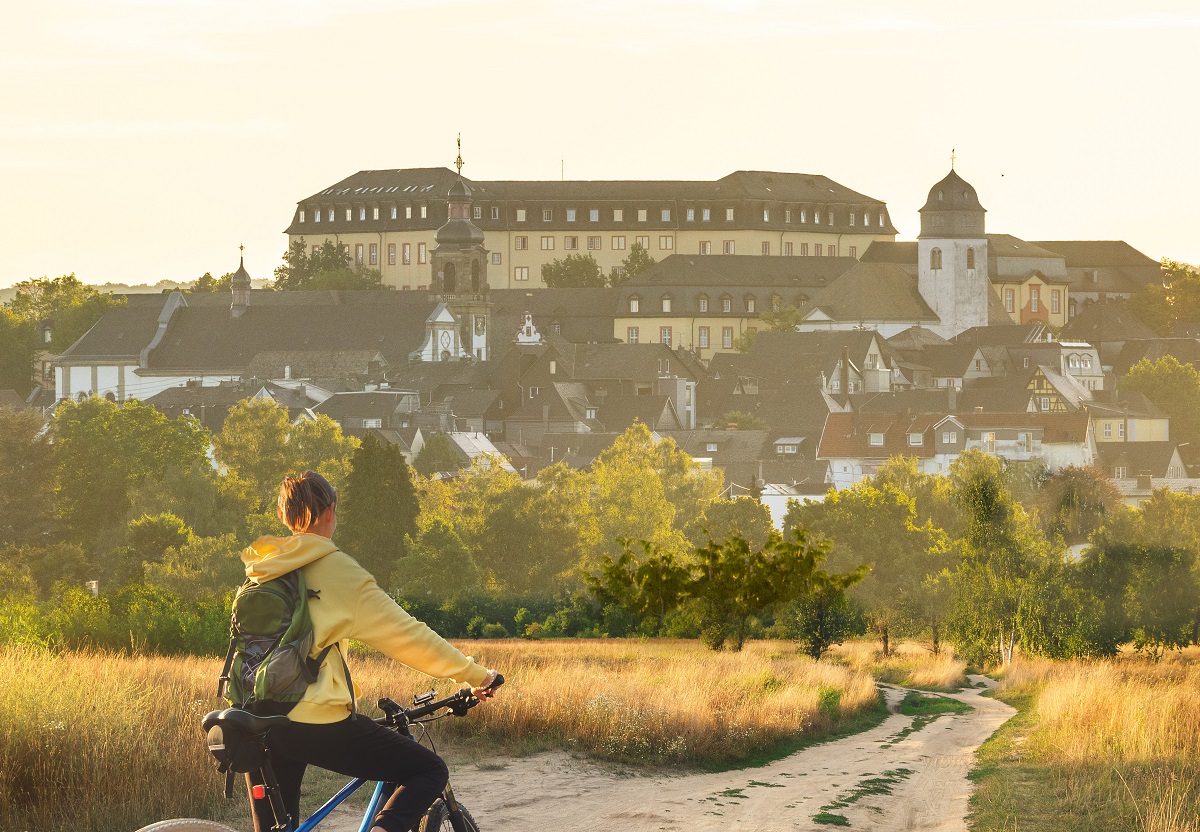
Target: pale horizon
143,140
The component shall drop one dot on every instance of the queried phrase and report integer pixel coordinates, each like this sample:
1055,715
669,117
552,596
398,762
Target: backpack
270,637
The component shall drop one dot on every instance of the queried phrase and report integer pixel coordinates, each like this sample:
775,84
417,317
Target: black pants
357,748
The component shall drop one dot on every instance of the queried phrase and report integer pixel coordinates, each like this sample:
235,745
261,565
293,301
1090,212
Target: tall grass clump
1118,739
910,664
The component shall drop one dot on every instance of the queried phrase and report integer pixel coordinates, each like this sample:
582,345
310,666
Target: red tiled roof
847,435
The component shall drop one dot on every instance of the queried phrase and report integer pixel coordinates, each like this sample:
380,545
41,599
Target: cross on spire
458,163
952,158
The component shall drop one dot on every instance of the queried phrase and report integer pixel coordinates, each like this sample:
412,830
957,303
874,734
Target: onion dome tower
240,284
952,255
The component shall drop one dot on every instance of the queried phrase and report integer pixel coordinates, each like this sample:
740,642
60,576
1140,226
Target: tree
377,509
576,271
1152,305
26,479
72,306
824,616
104,451
16,352
782,319
1175,388
437,454
1074,502
634,264
206,284
648,587
329,267
745,517
739,420
438,565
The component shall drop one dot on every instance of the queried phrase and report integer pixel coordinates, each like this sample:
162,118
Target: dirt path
914,776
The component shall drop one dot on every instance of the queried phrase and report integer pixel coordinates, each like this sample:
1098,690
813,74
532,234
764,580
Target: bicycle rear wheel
185,825
438,819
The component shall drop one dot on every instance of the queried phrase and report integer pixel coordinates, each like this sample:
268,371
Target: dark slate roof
884,251
1006,245
935,400
619,411
712,273
949,360
956,194
11,398
776,353
1003,335
316,363
1111,320
204,337
123,331
625,362
428,377
1097,253
733,446
470,403
1184,350
430,186
1136,457
583,316
1125,402
376,404
872,292
916,337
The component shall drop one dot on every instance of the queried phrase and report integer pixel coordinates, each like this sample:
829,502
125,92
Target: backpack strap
223,680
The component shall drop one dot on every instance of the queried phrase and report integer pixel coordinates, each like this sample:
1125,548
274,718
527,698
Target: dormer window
635,303
547,214
589,413
726,304
702,303
875,440
666,303
916,440
711,447
751,303
301,215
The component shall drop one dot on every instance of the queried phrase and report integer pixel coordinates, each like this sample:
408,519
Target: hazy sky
147,139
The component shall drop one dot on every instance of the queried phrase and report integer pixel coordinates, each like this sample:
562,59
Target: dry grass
1118,740
105,742
910,664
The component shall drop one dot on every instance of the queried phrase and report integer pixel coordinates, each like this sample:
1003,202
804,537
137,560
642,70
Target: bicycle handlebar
457,703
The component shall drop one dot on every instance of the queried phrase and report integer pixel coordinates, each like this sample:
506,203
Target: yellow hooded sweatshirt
351,605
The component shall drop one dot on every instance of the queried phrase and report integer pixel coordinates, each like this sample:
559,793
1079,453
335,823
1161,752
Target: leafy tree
72,305
745,517
26,479
1152,306
438,565
329,267
1074,502
933,496
649,586
319,445
51,564
104,451
634,264
739,420
437,454
146,541
824,616
199,569
377,509
877,527
576,271
1175,388
206,284
16,352
784,319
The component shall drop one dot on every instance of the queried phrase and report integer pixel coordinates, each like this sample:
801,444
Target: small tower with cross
952,255
240,284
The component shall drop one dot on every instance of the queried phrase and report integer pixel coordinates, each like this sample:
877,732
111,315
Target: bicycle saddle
249,723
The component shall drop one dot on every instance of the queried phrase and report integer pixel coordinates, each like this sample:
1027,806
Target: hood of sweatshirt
269,556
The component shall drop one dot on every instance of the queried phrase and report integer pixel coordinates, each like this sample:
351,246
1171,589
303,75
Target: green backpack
270,637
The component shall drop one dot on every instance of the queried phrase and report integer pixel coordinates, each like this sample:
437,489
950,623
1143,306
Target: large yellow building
386,219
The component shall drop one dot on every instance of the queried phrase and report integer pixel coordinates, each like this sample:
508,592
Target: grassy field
1098,746
910,665
104,742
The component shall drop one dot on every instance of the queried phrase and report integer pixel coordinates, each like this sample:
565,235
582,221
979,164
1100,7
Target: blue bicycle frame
333,802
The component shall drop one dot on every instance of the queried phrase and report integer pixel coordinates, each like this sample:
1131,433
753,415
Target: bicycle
445,815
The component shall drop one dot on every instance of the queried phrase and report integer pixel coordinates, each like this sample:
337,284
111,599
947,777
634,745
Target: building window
374,254
477,213
631,335
641,214
1035,300
852,218
970,258
1120,430
816,216
520,243
1009,300
703,337
358,253
534,391
666,242
1045,403
727,247
666,215
853,251
547,244
372,423
787,215
804,249
726,304
1055,301
881,223
644,242
406,253
989,442
751,304
301,215
349,214
949,437
664,335
424,212
593,244
915,440
666,303
317,215
547,214
728,215
521,273
495,213
520,215
635,303
393,212
787,249
1119,472
710,447
766,215
766,247
571,243
422,255
594,215
618,243
817,249
570,215
875,439
705,247
702,302
391,254
408,212
831,250
618,215
691,215
935,258
496,258
705,214
727,337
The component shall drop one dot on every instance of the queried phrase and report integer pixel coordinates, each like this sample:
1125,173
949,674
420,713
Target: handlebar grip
497,682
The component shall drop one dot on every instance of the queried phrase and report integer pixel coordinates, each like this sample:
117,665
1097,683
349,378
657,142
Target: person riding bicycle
349,604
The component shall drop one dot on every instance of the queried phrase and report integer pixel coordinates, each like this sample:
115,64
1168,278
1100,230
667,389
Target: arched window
935,258
448,278
970,258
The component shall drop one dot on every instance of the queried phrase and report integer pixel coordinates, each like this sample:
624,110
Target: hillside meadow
103,741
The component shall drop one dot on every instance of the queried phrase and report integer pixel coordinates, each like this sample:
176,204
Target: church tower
952,256
459,263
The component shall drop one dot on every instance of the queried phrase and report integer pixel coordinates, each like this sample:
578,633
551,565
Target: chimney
1144,482
845,370
952,398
